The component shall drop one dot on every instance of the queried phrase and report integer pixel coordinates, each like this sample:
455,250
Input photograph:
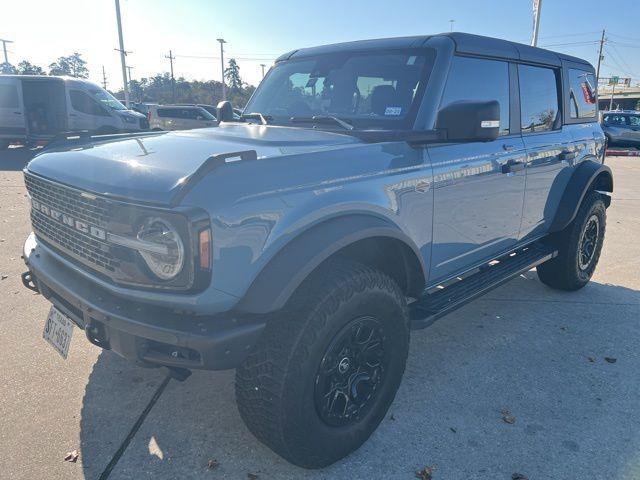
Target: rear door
479,186
551,151
12,114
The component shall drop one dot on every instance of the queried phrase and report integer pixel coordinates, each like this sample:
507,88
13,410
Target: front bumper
147,334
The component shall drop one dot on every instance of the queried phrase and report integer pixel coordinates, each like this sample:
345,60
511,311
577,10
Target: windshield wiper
323,119
264,119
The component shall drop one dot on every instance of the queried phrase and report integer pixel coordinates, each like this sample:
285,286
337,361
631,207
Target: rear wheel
324,374
579,246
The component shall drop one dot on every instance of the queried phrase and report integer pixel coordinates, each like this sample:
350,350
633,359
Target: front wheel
324,374
579,246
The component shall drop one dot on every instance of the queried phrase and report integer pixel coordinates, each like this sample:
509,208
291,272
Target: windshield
378,90
108,100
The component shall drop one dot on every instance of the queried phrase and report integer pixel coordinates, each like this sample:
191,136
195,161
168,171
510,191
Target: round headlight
164,252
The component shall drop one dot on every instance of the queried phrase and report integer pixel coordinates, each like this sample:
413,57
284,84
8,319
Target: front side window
106,99
538,98
480,80
83,103
8,96
380,90
582,96
618,120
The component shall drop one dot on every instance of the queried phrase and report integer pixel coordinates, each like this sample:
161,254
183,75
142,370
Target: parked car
179,117
36,108
622,128
371,188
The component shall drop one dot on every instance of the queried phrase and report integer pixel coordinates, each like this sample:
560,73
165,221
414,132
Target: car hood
153,168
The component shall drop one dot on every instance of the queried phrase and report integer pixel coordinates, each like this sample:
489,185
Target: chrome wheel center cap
344,365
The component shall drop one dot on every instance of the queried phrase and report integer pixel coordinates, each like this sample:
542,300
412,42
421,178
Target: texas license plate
58,331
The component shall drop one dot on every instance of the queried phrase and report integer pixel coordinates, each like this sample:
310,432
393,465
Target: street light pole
123,54
224,88
173,82
4,47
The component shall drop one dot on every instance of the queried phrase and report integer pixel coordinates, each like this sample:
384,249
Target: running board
444,299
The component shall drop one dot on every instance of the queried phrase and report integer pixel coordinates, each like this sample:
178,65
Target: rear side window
8,96
615,119
188,113
538,98
582,96
479,79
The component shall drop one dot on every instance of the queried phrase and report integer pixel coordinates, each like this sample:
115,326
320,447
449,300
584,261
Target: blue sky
258,31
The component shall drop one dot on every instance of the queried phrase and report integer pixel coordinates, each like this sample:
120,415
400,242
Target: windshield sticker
393,111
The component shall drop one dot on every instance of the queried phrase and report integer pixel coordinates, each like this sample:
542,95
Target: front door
478,187
12,114
85,113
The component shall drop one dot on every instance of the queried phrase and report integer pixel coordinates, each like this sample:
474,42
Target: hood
151,169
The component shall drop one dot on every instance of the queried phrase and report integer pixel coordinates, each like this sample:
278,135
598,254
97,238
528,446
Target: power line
570,34
589,42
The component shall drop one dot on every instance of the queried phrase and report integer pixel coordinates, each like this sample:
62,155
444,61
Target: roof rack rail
83,137
211,163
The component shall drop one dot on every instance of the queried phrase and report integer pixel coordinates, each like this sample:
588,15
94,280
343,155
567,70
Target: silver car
179,117
622,128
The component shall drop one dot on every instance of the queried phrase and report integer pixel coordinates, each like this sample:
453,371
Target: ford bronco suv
368,189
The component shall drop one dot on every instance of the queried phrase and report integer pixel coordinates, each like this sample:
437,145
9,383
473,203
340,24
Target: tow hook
29,282
179,374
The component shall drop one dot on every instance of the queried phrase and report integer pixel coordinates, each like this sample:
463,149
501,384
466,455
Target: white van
34,107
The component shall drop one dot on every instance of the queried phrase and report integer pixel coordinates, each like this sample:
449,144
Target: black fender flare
579,184
288,268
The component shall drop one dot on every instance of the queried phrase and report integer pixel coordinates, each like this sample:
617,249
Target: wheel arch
589,175
364,238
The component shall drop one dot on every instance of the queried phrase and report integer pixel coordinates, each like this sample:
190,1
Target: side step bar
435,303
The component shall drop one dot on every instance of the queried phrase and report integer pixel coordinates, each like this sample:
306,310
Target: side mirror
225,112
470,121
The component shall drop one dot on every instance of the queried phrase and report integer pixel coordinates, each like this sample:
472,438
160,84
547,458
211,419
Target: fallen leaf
611,359
4,276
591,359
426,473
71,456
213,464
519,476
252,476
453,430
564,329
507,417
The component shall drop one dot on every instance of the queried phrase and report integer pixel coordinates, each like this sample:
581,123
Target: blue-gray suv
368,189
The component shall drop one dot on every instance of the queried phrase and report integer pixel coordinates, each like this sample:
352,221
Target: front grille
91,210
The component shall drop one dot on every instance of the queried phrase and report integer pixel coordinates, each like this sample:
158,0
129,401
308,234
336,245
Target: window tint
82,102
538,98
478,79
582,96
634,120
8,96
615,120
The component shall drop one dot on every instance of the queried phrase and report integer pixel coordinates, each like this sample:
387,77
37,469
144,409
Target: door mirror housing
225,112
470,121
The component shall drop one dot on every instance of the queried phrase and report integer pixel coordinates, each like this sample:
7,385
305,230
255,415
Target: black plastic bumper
146,334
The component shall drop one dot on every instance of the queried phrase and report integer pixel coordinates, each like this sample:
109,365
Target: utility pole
123,55
600,58
173,82
224,88
613,89
262,65
4,47
451,22
129,67
104,78
537,8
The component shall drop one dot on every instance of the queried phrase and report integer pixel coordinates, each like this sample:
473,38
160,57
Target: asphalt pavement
562,368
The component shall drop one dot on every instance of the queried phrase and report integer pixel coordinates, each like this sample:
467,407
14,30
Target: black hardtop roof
464,43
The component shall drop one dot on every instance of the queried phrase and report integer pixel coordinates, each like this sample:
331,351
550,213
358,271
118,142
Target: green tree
27,68
232,75
73,66
6,68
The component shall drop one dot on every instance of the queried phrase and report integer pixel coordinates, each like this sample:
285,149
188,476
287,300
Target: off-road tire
275,386
564,271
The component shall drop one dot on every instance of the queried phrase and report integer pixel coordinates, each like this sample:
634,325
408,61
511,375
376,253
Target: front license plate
58,331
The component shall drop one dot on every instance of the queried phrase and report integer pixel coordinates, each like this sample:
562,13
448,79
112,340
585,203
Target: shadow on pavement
542,359
16,158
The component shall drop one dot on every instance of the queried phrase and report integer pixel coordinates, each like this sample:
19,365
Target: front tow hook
29,282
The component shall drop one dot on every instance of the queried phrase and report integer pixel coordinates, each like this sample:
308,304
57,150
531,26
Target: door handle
508,148
18,113
513,166
567,156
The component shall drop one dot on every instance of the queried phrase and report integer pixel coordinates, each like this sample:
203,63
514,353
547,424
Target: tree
73,66
232,75
27,68
7,68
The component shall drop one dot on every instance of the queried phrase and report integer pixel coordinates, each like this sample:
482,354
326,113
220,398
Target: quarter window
582,96
479,79
8,96
538,98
